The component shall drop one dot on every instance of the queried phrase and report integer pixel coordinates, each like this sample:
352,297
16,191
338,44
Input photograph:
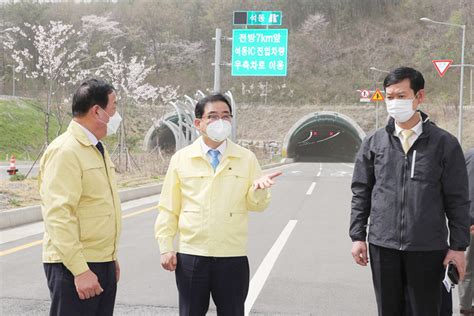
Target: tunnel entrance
160,136
323,137
162,139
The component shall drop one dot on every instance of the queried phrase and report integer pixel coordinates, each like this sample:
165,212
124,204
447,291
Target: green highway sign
259,52
257,17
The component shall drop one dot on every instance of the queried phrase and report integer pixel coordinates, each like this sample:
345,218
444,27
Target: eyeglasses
215,117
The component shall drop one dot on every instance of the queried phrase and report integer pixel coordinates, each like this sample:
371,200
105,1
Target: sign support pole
377,115
217,62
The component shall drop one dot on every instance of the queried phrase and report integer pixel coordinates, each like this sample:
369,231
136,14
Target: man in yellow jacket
81,207
209,188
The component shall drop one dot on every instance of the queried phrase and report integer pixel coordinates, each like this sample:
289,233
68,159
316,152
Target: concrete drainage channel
31,214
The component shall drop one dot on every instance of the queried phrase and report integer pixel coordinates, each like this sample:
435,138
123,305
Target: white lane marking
348,165
341,174
260,277
320,169
296,171
311,188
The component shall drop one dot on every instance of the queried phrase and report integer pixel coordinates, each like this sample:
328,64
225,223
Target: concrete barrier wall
31,214
20,216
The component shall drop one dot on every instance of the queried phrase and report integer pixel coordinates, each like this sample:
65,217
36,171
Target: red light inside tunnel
331,133
315,133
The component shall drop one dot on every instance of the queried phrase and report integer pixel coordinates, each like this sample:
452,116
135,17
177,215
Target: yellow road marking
25,246
140,212
38,242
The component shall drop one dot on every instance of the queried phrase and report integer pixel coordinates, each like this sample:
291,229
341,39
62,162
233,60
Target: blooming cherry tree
129,75
56,57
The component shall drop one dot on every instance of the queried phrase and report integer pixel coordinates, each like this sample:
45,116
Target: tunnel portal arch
161,135
324,136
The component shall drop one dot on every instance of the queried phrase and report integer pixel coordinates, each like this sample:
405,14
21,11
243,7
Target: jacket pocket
88,211
424,167
95,223
380,163
234,186
193,182
190,224
95,183
236,228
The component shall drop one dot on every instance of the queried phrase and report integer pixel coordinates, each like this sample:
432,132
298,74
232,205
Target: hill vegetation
21,128
332,46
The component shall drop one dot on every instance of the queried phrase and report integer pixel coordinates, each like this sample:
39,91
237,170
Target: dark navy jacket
470,173
408,197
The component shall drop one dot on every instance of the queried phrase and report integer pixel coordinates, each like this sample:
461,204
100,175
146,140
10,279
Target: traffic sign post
442,65
259,52
376,97
364,96
254,52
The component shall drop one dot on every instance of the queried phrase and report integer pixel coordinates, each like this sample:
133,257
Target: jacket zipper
403,201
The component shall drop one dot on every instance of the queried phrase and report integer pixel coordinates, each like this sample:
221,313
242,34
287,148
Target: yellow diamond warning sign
377,96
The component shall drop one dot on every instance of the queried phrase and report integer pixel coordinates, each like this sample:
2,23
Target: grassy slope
22,128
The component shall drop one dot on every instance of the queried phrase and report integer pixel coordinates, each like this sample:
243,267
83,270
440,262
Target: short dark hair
200,106
417,82
90,93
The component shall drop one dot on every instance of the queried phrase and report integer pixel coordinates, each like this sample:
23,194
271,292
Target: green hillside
22,128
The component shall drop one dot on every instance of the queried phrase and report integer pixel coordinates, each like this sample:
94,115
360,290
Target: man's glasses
215,117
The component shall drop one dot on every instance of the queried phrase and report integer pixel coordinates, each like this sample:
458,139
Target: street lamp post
377,102
470,66
461,83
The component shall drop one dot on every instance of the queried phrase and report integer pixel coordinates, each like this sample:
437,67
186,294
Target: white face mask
400,109
113,124
219,130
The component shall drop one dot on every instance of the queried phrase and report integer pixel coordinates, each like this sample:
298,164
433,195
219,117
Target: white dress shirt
89,134
417,131
205,150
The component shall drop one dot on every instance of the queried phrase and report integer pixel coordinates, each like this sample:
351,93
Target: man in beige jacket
81,207
208,191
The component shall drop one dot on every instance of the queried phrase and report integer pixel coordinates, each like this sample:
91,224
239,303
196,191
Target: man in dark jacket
408,178
466,288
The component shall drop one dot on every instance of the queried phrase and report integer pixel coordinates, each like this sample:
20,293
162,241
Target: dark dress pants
64,297
225,278
446,302
407,282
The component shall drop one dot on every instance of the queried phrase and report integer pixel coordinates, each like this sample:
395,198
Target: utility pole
217,62
217,80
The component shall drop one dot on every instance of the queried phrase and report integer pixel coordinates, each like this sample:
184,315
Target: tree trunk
47,113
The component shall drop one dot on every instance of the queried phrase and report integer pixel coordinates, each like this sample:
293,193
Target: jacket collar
75,130
232,149
425,119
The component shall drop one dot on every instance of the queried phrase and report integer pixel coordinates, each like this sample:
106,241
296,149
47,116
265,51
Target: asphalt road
299,253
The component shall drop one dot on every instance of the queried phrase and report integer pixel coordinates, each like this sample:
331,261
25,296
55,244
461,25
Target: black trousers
225,278
407,282
446,302
64,297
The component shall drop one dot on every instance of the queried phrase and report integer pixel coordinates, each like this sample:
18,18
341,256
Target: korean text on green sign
259,52
257,17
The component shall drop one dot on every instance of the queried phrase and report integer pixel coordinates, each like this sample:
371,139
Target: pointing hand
266,182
